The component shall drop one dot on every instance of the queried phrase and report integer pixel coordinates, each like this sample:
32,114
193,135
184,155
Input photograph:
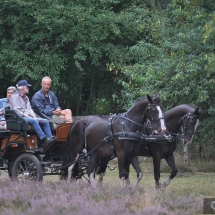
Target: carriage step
45,148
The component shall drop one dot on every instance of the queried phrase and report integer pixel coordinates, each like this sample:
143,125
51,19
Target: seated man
46,102
5,102
21,104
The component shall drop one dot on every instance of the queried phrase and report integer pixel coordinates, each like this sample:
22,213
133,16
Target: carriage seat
15,122
53,126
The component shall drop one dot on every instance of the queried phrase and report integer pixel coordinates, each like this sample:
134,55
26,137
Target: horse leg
171,162
70,169
102,169
135,163
122,171
156,163
91,169
127,168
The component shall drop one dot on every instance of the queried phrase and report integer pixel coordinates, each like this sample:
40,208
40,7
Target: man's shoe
42,143
48,143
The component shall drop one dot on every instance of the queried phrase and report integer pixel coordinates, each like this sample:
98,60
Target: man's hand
57,112
1,112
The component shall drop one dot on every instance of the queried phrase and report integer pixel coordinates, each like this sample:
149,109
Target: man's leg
36,126
67,115
46,127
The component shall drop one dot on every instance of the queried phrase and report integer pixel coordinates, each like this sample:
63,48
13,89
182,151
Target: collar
23,96
44,97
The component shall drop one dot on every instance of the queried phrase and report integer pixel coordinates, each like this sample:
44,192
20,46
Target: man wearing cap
21,104
46,102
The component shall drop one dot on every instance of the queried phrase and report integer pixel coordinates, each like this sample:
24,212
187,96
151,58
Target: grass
183,196
200,184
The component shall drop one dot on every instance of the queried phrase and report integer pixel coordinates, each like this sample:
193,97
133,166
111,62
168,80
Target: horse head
155,114
189,123
147,108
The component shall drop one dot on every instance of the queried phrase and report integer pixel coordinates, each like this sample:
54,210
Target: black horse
185,116
100,136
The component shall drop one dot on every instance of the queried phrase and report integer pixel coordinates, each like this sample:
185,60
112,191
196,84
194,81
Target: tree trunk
186,159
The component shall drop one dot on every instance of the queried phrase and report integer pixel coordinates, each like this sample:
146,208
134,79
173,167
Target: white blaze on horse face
163,127
196,125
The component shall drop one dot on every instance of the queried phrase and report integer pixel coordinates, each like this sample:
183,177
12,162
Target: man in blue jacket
5,102
46,102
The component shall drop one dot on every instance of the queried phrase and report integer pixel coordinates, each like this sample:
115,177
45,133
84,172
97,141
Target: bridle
180,121
153,120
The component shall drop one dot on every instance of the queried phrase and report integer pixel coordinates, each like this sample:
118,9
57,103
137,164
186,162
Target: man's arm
38,103
55,101
16,105
2,101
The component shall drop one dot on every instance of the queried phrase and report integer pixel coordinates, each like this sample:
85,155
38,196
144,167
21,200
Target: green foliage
178,61
100,107
103,55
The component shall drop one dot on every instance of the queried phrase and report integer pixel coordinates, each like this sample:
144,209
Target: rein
144,125
138,136
186,116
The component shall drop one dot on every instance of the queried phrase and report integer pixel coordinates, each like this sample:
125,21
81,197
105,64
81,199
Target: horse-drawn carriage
19,152
78,147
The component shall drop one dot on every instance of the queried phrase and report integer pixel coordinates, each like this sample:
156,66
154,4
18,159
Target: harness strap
110,132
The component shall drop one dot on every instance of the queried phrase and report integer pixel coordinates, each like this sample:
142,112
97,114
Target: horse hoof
160,186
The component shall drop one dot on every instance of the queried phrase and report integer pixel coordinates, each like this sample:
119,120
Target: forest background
104,54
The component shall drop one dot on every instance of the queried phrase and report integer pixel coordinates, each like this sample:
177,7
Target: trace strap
134,136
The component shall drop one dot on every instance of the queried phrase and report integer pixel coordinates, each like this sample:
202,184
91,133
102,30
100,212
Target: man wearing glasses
5,102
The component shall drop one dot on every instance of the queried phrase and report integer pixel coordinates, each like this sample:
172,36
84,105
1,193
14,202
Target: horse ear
201,110
198,110
158,95
149,98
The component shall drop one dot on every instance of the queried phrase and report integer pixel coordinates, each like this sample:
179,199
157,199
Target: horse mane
139,99
184,107
154,98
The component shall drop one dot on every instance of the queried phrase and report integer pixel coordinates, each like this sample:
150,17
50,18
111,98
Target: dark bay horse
99,136
185,116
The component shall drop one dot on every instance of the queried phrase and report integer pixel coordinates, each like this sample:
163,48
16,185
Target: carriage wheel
27,167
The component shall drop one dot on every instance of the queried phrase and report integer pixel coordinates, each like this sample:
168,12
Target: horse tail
68,149
67,157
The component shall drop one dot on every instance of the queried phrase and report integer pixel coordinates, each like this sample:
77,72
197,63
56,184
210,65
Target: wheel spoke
27,168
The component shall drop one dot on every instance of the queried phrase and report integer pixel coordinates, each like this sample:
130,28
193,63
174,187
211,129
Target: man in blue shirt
46,102
5,102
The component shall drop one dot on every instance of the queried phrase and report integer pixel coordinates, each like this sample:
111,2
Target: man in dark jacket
46,102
